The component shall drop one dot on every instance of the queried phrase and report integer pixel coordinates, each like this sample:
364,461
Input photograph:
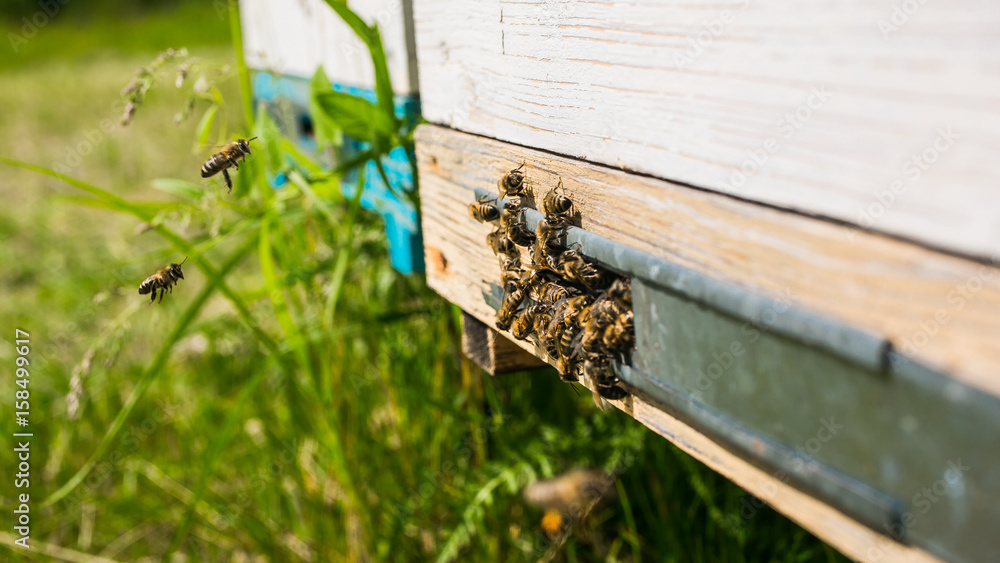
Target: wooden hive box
805,202
286,42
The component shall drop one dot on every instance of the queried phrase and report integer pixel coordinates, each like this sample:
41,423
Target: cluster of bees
578,312
165,278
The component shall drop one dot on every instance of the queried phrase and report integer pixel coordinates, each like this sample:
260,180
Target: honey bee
163,280
598,369
520,234
567,338
620,335
483,211
568,313
545,235
542,320
548,292
547,328
510,271
620,292
567,370
512,299
510,214
574,307
501,244
581,271
595,320
555,205
524,322
225,158
513,183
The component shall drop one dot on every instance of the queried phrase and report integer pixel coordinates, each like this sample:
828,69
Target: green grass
294,395
74,36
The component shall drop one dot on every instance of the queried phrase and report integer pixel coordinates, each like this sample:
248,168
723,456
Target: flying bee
524,322
512,183
620,334
225,158
555,205
483,211
162,280
581,271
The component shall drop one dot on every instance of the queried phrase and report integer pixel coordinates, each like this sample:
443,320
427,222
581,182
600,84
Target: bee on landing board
513,184
556,205
225,158
484,211
162,280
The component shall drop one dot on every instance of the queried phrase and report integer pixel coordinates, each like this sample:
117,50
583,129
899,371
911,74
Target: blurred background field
381,443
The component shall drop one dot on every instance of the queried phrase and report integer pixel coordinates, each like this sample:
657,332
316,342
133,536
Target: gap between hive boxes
493,352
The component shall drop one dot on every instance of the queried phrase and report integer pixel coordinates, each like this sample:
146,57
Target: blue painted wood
402,225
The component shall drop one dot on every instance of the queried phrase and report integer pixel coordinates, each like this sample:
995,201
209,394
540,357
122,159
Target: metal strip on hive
896,445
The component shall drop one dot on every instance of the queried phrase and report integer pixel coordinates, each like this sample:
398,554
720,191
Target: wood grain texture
489,350
295,38
941,310
822,110
452,164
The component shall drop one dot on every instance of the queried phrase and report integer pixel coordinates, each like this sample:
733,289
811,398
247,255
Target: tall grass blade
246,93
145,381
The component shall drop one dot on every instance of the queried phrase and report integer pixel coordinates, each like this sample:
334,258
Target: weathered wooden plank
940,310
296,38
452,164
821,107
491,351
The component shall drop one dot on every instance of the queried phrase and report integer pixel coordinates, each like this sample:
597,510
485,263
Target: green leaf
373,40
205,126
270,138
354,116
182,188
327,133
150,206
